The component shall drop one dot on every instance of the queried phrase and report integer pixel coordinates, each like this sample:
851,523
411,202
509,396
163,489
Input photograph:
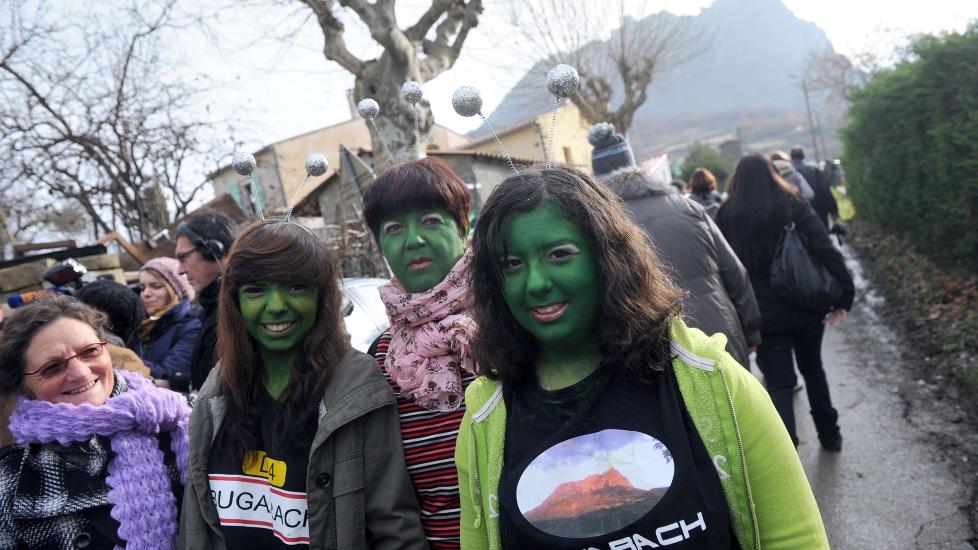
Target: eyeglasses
58,367
183,255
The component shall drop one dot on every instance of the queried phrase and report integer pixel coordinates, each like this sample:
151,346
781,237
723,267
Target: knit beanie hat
611,149
169,269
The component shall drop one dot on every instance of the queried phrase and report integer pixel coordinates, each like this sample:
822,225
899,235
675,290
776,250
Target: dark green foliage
702,155
911,148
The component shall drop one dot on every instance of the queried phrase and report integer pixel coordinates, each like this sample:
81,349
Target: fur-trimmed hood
634,182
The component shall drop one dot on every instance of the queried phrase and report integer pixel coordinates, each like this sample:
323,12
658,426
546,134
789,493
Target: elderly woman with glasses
101,455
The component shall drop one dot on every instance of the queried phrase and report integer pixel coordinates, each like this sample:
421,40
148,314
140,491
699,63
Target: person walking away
787,170
759,205
418,212
720,298
824,203
202,244
169,333
703,191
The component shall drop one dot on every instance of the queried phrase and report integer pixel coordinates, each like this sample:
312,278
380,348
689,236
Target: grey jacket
720,297
788,172
357,486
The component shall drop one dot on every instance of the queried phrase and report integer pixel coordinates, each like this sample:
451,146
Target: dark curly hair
637,300
274,250
123,306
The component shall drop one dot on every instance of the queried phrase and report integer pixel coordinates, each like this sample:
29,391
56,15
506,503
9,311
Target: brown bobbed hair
637,299
284,252
426,183
19,329
702,181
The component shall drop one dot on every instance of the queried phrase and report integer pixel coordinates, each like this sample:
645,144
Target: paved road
895,484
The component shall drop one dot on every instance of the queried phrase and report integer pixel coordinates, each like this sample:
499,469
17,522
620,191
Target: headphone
210,249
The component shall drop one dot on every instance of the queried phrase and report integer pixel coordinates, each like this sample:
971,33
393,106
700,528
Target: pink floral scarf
430,333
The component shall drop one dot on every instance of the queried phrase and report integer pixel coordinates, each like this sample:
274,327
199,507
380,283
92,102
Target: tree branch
334,47
419,30
460,19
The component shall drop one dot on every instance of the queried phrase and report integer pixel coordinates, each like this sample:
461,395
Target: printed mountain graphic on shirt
595,505
595,484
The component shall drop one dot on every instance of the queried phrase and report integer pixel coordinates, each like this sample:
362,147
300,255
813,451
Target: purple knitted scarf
140,492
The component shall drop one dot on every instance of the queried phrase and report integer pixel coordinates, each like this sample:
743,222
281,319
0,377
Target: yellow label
257,463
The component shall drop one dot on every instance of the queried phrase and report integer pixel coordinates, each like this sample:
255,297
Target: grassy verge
938,307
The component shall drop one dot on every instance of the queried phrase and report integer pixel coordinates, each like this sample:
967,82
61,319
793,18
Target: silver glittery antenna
369,109
244,164
562,81
316,165
412,93
467,101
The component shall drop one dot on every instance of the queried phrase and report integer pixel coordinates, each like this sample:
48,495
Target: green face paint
278,316
550,278
421,246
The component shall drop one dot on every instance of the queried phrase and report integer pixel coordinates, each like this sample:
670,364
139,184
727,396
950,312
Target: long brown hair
284,252
637,300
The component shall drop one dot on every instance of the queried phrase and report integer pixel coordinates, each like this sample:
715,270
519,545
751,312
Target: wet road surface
897,482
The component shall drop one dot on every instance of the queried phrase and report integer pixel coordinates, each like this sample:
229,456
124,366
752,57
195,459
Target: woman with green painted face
418,213
601,420
294,436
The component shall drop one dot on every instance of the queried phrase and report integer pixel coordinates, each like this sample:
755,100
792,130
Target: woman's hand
161,383
836,316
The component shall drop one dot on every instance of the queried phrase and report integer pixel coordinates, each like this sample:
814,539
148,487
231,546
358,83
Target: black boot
831,443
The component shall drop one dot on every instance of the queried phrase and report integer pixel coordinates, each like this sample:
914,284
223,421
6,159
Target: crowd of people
572,372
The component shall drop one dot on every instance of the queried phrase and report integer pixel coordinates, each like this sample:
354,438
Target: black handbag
799,278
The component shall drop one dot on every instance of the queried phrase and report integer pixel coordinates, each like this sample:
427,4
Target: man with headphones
203,241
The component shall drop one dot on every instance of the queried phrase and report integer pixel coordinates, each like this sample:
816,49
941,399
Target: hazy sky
283,90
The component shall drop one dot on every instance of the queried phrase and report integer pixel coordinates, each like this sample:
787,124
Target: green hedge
911,148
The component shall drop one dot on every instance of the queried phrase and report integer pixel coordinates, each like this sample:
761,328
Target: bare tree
833,75
618,49
420,53
91,117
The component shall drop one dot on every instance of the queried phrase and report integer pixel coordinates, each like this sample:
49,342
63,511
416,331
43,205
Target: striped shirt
429,451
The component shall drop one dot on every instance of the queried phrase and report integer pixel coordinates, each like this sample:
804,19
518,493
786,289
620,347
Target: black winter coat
202,360
823,202
775,313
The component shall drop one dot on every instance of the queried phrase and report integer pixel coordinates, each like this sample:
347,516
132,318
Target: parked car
364,314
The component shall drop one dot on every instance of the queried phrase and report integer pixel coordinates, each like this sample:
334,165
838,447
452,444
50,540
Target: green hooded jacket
771,504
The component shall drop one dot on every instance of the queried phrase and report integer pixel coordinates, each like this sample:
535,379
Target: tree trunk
381,79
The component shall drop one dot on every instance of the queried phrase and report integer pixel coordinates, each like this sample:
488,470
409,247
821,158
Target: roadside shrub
911,148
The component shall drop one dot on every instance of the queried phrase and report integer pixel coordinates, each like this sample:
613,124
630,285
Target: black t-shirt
262,501
608,463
